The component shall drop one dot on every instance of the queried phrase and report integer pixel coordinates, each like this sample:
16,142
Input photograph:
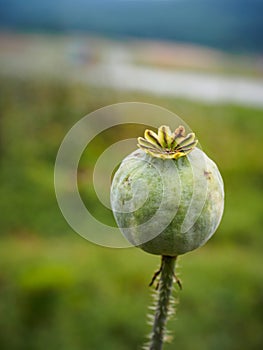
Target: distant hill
232,25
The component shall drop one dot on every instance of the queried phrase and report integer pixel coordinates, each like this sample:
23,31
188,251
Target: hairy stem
165,287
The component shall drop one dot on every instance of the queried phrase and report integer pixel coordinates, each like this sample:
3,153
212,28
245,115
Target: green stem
163,302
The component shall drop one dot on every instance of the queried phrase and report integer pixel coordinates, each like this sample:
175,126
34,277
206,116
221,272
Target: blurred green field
59,291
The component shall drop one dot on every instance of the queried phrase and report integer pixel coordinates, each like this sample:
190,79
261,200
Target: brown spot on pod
207,174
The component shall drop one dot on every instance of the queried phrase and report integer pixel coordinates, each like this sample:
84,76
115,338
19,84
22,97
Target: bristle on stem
163,304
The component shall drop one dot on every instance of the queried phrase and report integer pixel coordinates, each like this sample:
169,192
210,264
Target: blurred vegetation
59,291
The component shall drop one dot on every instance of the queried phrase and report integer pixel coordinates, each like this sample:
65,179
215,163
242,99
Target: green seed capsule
167,197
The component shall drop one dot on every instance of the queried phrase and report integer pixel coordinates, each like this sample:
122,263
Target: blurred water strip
124,66
209,88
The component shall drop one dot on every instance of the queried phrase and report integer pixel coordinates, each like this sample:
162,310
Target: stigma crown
167,144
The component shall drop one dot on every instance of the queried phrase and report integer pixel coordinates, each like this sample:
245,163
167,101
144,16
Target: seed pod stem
163,306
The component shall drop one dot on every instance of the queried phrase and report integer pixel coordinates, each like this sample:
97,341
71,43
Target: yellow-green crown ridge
167,144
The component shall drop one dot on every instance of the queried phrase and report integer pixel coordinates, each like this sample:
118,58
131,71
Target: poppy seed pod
167,196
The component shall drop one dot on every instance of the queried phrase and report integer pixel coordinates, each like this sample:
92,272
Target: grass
70,293
58,290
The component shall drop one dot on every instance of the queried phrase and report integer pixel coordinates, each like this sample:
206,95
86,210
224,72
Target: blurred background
201,59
